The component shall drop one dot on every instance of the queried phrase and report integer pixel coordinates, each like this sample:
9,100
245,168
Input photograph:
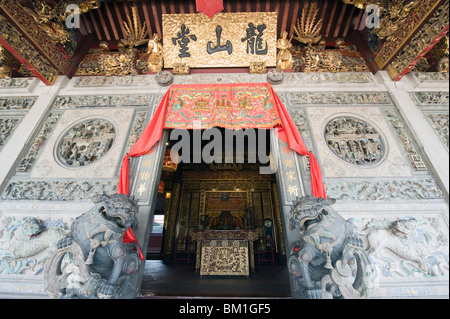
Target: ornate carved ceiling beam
40,38
400,44
35,43
400,67
13,40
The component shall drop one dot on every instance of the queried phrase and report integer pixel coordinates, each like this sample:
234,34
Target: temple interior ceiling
47,38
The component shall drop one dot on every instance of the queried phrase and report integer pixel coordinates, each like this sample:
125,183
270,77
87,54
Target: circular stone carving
354,141
86,143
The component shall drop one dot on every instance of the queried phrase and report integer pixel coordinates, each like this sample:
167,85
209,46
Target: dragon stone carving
329,261
93,261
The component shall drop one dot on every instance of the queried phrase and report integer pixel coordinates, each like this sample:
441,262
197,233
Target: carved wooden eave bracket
425,26
29,42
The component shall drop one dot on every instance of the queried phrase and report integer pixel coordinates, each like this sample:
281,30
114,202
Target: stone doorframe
145,174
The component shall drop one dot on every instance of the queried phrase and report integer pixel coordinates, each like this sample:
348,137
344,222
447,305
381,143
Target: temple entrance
217,227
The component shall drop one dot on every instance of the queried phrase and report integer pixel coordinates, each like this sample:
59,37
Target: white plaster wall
437,156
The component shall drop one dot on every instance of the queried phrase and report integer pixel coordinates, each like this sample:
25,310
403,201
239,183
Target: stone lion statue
329,261
93,261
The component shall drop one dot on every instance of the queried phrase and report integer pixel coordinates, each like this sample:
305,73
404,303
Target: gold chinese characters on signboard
226,40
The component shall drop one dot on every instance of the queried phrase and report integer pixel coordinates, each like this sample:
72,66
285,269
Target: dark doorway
199,195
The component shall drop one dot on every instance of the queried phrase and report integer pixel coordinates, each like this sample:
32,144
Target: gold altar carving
285,61
118,63
225,253
181,69
155,51
226,40
257,67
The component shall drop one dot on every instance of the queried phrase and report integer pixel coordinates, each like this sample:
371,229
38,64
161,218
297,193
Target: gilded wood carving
227,40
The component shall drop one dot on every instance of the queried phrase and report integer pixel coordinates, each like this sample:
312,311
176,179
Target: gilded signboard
226,40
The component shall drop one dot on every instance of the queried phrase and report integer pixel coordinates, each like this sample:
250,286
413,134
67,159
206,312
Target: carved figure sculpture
155,58
94,262
328,261
284,57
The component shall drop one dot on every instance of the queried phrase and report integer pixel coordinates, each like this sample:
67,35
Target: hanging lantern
168,164
161,187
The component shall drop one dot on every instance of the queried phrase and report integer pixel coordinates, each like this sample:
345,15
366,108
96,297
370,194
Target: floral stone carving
93,261
329,261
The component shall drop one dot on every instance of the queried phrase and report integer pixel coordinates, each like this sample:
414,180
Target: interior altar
225,252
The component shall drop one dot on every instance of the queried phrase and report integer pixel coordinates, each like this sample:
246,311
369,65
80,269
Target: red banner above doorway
232,106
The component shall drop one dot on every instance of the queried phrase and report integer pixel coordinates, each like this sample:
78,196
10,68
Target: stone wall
403,125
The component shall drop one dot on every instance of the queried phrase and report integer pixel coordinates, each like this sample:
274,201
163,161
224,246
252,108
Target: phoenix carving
135,31
308,29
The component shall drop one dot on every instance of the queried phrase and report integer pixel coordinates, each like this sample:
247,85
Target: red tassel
129,238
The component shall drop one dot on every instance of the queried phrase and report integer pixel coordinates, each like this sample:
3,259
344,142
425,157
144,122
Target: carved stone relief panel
430,77
15,83
55,163
391,164
434,106
354,141
431,98
27,161
300,120
58,190
12,110
341,98
16,103
439,122
85,143
27,239
386,190
7,126
405,140
406,248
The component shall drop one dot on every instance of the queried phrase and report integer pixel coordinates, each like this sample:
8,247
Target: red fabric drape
151,135
288,133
